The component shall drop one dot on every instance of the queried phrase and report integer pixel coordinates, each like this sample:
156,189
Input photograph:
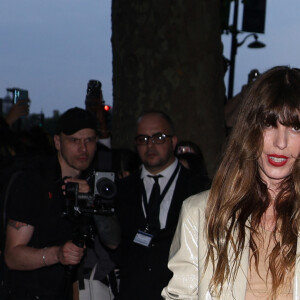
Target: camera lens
106,188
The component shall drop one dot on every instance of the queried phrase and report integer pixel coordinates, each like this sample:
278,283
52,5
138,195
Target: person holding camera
94,103
39,247
233,105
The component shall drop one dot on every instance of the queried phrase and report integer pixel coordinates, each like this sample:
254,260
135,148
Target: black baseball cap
75,119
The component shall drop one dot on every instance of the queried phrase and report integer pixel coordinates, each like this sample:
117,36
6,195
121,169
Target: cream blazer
187,256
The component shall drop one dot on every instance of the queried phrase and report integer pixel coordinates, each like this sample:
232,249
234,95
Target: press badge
143,238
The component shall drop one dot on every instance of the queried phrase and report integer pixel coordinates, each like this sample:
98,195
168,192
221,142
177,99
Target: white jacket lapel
296,288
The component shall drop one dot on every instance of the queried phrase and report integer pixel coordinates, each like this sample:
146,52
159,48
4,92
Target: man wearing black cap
39,239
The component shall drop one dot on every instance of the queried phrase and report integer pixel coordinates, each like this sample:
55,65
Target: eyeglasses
157,138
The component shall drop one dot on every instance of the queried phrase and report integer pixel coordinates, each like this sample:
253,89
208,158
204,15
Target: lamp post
235,44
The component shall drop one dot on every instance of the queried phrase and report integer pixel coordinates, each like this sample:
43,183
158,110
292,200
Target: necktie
154,204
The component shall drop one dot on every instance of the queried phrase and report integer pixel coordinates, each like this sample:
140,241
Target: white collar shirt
166,202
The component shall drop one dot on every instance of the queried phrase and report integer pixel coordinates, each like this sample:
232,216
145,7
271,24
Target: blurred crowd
127,250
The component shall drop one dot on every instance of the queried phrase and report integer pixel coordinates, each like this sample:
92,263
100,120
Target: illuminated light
106,107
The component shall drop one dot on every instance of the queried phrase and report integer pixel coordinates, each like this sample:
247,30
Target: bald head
162,115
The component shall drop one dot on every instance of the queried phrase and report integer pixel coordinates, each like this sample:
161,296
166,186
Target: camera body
94,89
252,76
99,201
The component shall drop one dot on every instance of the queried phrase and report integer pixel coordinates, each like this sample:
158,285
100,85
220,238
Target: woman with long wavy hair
239,240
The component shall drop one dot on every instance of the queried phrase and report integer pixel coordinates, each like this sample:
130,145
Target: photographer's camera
99,201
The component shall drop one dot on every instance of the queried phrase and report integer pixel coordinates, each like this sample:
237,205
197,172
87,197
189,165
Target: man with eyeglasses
149,203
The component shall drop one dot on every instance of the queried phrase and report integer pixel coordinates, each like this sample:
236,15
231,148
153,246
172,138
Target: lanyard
163,194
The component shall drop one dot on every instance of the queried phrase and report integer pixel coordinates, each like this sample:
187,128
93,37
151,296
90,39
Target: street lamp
235,44
253,45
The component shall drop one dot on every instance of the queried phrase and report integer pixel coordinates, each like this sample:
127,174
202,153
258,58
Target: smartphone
20,95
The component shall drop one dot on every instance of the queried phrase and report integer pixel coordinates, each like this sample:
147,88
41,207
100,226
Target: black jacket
144,270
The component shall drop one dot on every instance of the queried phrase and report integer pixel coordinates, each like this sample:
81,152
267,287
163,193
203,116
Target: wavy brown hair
239,198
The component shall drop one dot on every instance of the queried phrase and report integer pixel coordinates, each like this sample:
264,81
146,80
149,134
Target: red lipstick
277,160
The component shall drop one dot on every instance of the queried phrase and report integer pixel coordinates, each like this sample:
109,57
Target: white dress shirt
166,202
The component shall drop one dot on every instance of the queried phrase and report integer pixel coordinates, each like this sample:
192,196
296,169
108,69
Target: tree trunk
167,55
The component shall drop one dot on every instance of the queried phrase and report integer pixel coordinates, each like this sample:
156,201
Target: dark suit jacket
144,270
